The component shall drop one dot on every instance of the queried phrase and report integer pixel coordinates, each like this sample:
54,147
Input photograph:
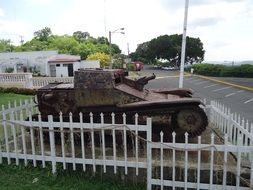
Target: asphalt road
234,93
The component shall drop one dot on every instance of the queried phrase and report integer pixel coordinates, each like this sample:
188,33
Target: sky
224,26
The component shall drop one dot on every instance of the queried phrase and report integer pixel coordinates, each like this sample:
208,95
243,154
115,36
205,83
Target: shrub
131,67
15,90
9,70
224,70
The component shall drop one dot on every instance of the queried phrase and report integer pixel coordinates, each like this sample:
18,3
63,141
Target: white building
48,63
26,61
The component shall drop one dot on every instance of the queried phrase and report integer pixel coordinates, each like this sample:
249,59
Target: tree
80,43
169,48
5,46
102,57
43,34
141,53
118,61
81,36
65,44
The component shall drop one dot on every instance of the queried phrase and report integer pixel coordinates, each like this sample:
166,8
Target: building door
52,71
70,70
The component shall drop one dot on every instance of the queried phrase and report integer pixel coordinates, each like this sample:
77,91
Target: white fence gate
122,146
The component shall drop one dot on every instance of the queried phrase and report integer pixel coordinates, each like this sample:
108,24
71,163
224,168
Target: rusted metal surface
98,90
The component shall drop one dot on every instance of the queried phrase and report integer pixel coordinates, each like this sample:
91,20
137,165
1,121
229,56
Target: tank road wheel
192,120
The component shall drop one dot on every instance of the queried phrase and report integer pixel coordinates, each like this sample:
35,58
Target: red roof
63,58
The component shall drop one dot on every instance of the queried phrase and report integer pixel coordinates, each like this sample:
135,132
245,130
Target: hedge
15,90
216,70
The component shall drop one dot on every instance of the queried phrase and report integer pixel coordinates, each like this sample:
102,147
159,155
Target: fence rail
200,165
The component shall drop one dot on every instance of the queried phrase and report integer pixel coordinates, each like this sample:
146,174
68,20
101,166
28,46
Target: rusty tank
110,90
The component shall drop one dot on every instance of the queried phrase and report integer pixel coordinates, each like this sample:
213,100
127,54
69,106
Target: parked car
169,68
138,65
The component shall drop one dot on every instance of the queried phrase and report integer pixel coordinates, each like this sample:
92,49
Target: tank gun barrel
139,83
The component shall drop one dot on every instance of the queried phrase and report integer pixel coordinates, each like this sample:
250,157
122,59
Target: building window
58,65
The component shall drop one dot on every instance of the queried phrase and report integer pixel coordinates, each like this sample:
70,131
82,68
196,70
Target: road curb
223,82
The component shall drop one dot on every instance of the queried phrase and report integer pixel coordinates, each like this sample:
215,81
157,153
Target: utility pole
181,76
21,40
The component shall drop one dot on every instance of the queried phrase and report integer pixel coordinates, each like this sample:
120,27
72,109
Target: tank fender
163,103
182,92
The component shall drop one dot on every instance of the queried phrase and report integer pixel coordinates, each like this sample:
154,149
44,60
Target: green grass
30,178
10,97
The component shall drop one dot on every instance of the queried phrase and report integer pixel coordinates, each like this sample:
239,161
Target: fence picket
173,160
62,141
149,154
72,140
238,164
13,129
161,160
136,145
199,160
41,141
235,129
211,162
186,162
225,162
6,139
114,143
32,139
103,142
82,140
93,144
125,143
52,143
23,138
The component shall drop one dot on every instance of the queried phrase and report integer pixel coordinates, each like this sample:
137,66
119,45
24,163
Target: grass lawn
30,178
10,97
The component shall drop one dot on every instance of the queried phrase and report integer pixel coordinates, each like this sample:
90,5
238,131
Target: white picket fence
28,81
231,124
123,146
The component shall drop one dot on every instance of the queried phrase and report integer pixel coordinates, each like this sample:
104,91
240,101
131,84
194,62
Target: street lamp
119,30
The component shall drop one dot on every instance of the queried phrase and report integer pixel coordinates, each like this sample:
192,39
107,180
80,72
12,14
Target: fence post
52,143
6,135
149,153
28,80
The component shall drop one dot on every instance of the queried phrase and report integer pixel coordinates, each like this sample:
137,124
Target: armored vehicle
107,90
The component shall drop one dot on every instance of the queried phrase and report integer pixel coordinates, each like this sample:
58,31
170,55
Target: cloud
10,29
202,22
39,2
1,12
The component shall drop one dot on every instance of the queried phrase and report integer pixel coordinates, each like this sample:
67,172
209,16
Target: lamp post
181,76
119,30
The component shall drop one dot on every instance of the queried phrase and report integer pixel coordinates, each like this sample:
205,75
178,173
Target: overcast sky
224,26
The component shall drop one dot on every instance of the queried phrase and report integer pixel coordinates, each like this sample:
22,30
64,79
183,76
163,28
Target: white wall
89,64
27,59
